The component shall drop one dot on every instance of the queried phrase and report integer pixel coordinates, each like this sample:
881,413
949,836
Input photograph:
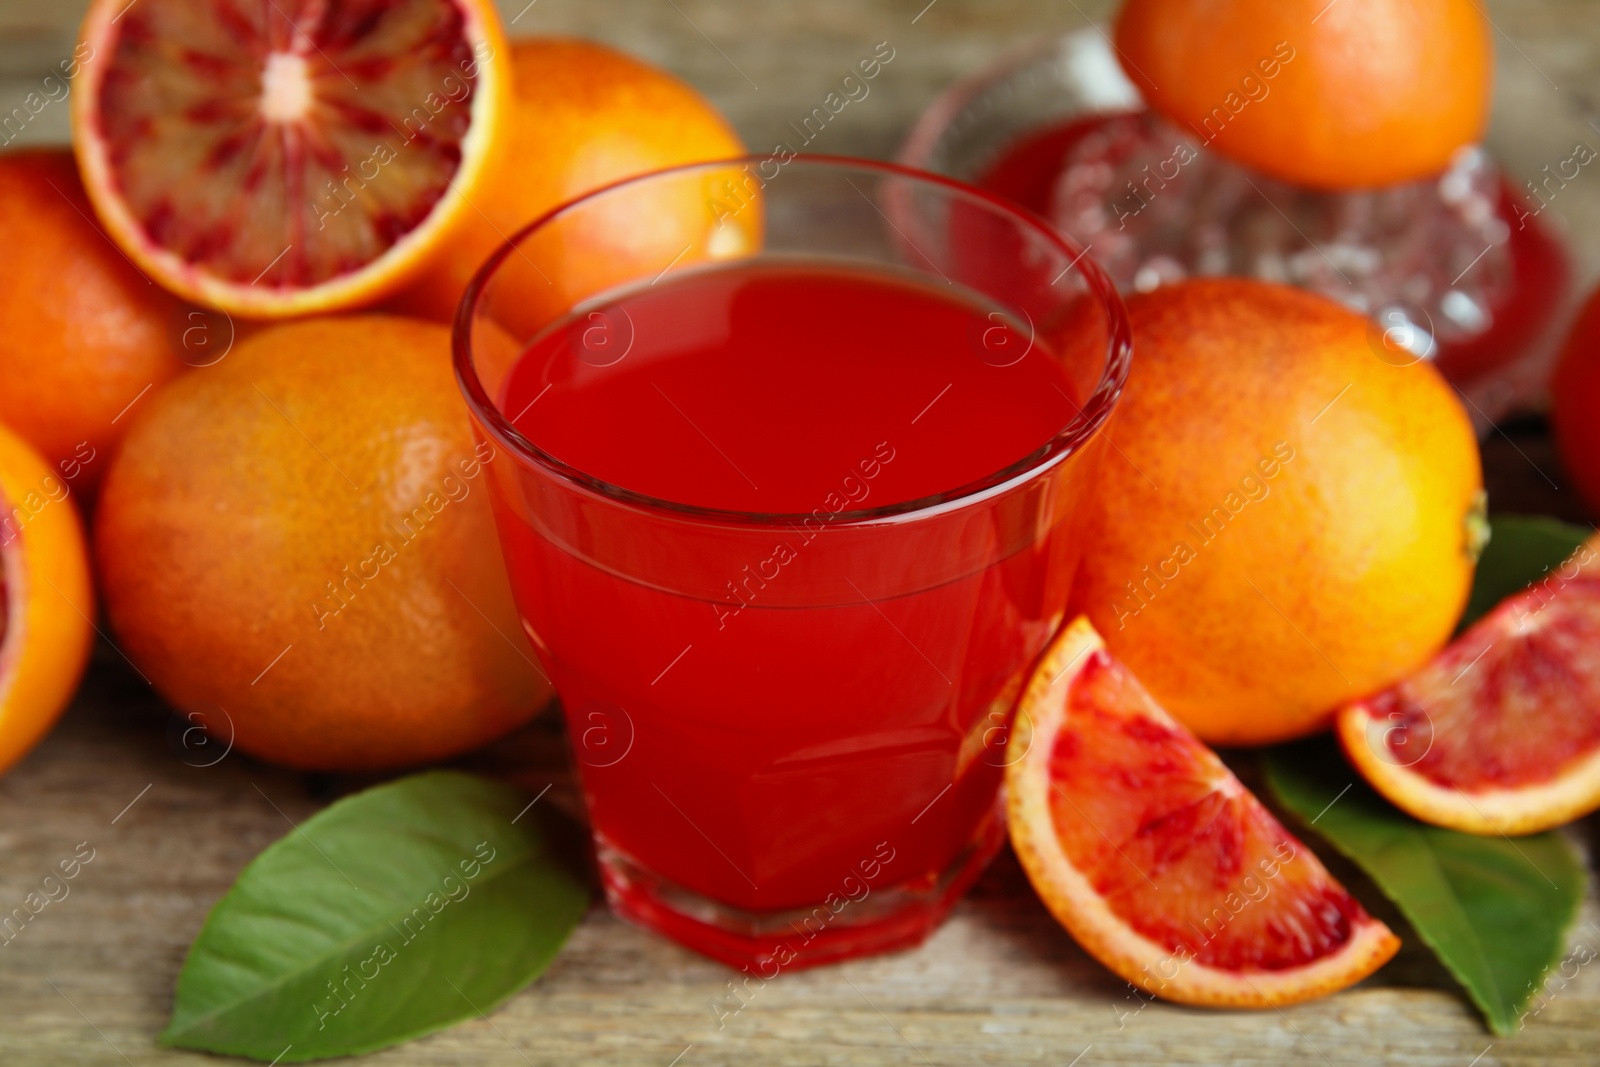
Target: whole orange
1290,519
85,335
583,116
301,536
1575,402
1332,95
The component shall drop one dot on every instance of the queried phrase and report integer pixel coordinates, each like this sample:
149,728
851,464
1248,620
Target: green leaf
388,915
1495,911
1521,548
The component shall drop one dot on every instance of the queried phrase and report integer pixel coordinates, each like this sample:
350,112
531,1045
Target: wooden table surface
90,980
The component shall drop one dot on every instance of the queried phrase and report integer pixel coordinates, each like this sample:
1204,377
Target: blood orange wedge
279,158
45,598
1500,732
1154,857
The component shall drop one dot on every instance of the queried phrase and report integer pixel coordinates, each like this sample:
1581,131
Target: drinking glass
791,762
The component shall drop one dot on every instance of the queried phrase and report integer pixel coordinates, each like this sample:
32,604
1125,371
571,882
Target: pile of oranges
225,349
254,490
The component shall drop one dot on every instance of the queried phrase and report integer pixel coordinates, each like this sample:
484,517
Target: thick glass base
871,920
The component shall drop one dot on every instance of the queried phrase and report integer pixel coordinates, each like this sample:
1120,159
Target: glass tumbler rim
1065,442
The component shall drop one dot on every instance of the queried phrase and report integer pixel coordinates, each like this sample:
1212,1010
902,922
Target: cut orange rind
1500,732
1155,858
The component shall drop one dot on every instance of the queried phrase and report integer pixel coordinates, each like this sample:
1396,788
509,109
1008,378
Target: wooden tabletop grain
90,980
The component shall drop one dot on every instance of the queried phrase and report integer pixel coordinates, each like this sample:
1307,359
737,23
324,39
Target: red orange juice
784,740
787,530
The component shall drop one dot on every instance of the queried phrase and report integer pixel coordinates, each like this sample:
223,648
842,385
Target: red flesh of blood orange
1500,733
1153,855
279,158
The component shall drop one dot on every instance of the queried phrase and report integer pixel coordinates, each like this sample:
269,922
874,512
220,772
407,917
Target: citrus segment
46,599
282,158
1500,733
1157,860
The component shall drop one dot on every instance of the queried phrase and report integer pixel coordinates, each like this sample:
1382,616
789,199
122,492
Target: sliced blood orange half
284,157
46,600
1500,733
1157,860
